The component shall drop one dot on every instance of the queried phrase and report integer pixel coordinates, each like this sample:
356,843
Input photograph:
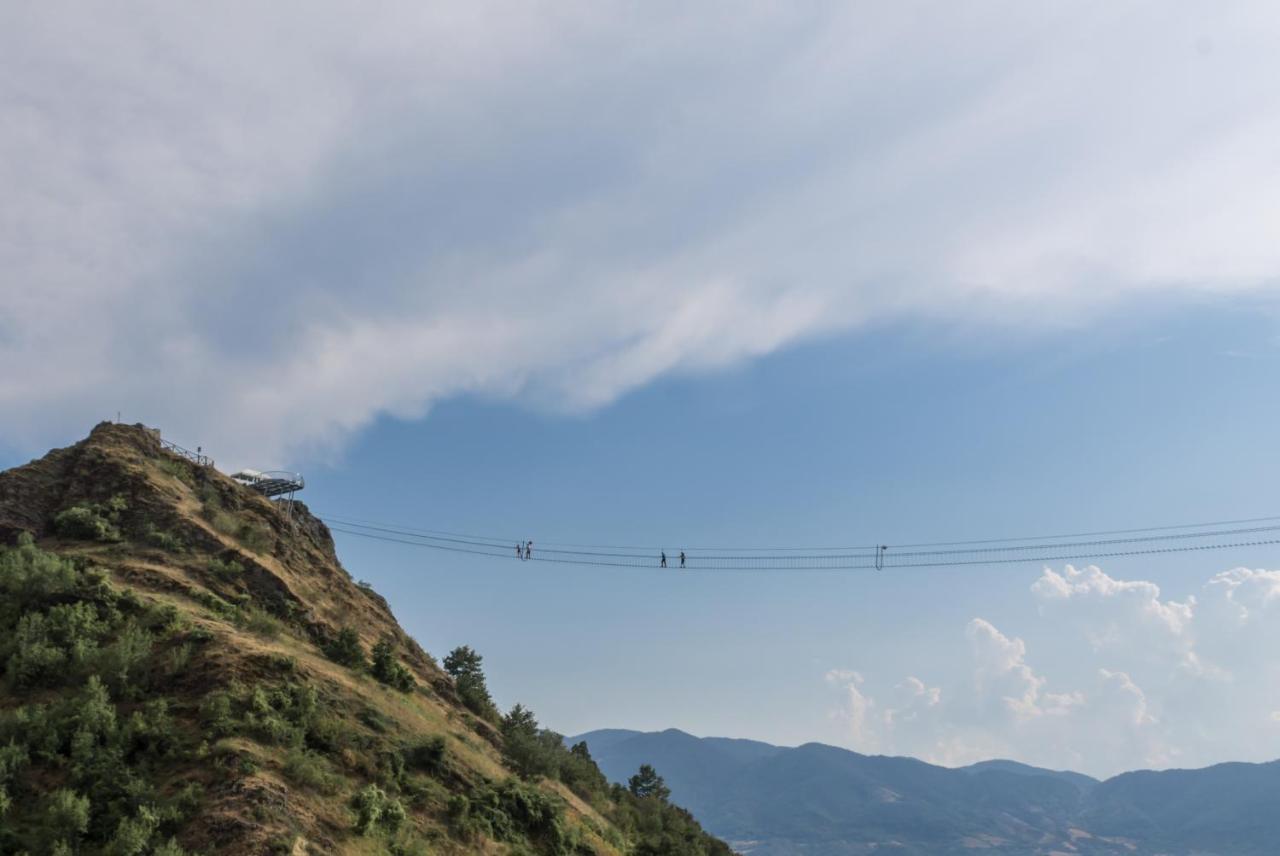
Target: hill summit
185,668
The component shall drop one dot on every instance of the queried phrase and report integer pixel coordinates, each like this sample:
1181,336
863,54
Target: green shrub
91,521
258,621
122,662
169,848
310,770
179,660
427,756
512,811
133,834
14,758
345,648
375,809
387,669
30,576
178,469
216,605
225,569
281,715
66,818
94,765
327,733
51,647
150,730
162,618
283,664
374,720
252,535
216,714
159,538
393,814
83,523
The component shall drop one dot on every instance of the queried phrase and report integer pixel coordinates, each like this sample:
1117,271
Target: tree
462,662
463,665
532,751
519,722
66,817
578,770
647,783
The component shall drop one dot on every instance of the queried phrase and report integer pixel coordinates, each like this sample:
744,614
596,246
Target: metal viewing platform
273,483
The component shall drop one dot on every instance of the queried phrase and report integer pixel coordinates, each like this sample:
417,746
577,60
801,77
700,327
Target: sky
784,274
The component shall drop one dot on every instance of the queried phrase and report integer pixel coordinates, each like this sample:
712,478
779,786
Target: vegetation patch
65,626
225,569
345,649
254,536
464,665
386,668
98,521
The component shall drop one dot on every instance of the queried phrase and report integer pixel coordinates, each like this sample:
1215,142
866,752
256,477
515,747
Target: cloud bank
264,227
1169,683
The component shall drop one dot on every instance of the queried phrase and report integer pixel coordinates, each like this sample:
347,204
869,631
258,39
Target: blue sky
900,434
734,273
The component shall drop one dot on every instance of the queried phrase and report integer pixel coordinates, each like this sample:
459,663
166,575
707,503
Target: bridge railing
195,457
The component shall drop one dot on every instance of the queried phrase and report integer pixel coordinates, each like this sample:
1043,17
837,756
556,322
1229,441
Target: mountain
817,800
1079,779
185,666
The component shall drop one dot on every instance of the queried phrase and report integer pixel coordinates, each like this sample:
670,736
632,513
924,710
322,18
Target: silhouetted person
528,550
663,563
520,551
682,558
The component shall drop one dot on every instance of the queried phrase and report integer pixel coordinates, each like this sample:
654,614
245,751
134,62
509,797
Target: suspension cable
1160,540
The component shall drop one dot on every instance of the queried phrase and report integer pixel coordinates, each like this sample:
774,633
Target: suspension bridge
1080,546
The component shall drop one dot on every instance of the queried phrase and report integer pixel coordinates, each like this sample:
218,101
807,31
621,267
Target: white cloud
1189,682
264,226
854,713
1001,671
1250,594
1126,618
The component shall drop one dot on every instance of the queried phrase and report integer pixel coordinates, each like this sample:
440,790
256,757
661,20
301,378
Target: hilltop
817,800
186,667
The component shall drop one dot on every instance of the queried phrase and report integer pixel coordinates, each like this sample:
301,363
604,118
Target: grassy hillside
186,669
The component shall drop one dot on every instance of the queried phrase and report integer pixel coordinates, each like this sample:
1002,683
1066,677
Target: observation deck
272,483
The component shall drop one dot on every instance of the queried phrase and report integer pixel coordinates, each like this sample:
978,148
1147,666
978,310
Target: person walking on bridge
682,560
519,550
663,563
528,550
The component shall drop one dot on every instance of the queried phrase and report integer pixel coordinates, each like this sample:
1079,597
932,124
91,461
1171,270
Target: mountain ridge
821,800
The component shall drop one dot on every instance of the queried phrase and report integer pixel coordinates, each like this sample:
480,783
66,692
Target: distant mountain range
817,800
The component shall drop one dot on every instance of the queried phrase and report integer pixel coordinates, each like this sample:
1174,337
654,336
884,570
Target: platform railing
195,457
